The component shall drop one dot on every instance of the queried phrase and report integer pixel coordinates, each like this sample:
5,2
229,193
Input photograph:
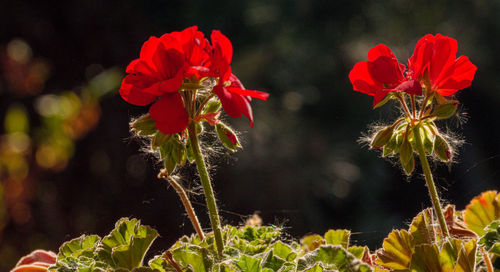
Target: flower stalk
185,201
430,182
207,187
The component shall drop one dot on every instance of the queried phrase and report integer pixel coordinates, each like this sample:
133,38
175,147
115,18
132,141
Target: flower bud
406,157
382,137
159,139
445,110
212,106
144,125
227,137
427,139
390,146
442,149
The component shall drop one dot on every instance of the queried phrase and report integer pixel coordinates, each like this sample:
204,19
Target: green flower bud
445,110
427,139
406,157
390,146
212,106
159,139
382,137
227,137
144,125
442,149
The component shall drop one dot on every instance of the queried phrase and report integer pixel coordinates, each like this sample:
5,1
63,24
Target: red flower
156,76
381,74
165,62
435,63
235,99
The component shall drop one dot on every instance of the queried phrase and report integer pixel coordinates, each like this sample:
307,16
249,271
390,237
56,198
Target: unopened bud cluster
400,138
175,149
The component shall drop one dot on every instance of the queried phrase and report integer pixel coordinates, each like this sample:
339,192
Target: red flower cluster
433,65
166,62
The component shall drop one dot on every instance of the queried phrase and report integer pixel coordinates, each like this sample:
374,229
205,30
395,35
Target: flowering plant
187,80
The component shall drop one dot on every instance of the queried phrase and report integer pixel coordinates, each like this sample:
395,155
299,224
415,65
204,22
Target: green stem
430,182
207,188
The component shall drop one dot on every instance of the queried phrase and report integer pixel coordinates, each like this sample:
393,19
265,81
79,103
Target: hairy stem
487,260
185,201
207,187
413,107
430,182
403,103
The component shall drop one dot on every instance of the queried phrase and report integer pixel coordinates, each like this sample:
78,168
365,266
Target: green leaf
397,250
482,211
425,259
332,257
338,237
284,251
316,268
312,242
492,235
449,255
127,244
81,246
422,229
466,261
357,251
144,125
194,256
159,263
272,262
248,264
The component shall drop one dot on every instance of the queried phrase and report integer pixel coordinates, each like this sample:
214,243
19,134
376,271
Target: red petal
131,90
380,50
461,76
386,70
169,113
234,104
379,96
168,62
255,94
410,87
361,79
444,55
194,45
421,56
222,55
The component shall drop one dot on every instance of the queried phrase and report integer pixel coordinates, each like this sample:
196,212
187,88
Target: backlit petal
169,114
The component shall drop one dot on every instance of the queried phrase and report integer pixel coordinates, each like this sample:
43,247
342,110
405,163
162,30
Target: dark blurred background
68,165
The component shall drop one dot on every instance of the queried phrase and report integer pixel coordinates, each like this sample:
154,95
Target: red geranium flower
435,63
381,74
235,99
165,62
